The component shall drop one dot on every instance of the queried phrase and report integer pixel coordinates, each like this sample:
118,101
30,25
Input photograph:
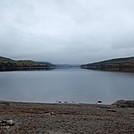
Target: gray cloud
66,31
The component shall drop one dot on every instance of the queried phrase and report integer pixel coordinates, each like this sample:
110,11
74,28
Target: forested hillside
7,64
120,64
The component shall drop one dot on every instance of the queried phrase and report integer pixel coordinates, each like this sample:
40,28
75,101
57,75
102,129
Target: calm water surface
78,85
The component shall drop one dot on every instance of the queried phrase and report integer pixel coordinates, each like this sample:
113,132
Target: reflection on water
81,86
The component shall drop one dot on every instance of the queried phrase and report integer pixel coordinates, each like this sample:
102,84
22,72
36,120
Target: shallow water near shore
66,85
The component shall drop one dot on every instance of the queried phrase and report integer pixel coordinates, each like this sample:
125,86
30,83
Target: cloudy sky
66,31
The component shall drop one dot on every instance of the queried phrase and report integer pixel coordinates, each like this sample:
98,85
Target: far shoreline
116,103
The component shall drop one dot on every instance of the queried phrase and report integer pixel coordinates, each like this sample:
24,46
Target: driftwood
111,110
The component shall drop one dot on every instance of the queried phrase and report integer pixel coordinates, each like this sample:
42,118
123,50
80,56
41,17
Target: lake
71,85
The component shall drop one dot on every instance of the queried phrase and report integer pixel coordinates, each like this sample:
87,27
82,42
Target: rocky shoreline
39,118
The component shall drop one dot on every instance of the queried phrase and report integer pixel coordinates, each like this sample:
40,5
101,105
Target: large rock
124,103
7,122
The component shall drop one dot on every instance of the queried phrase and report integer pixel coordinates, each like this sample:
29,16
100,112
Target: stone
7,122
10,122
99,101
124,103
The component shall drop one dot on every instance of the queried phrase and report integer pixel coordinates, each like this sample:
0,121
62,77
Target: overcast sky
66,31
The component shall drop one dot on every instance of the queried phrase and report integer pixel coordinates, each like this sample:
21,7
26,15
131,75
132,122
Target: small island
119,64
7,64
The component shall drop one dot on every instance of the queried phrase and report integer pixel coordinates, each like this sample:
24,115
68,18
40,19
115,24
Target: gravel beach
39,118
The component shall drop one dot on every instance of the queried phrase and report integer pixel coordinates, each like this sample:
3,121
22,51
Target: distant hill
119,64
7,64
4,59
66,66
46,63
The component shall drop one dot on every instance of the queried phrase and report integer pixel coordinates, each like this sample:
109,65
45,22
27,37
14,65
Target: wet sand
38,118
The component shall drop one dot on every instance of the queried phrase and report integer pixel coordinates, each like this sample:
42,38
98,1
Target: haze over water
78,85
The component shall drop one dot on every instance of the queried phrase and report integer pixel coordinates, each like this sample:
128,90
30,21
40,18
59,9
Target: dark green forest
7,64
119,64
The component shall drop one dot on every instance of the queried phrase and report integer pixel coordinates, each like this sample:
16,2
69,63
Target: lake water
78,85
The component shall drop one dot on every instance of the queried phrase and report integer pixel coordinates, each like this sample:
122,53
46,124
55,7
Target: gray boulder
7,122
124,103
